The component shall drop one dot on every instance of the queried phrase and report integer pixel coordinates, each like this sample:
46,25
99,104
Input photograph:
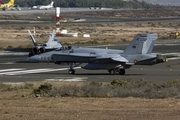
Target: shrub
117,88
94,83
43,89
2,86
118,83
5,87
28,85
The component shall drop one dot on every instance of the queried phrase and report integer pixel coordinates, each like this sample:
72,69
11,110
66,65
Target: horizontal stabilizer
120,59
115,57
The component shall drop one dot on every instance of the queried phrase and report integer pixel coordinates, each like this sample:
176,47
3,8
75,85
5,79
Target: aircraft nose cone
34,58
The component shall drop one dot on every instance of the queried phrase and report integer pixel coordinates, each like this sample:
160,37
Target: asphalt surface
15,68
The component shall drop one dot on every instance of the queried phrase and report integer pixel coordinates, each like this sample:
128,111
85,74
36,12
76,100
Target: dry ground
21,104
17,36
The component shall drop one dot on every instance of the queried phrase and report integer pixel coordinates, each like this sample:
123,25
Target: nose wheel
122,71
71,71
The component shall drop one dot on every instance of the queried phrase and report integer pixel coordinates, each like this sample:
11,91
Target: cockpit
64,48
56,40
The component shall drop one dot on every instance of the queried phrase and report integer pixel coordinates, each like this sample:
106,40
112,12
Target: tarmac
14,67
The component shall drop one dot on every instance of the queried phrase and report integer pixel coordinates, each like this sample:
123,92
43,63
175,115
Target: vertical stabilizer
142,44
32,38
11,2
51,3
51,38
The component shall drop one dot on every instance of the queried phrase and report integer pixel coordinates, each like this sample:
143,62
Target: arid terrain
17,36
19,103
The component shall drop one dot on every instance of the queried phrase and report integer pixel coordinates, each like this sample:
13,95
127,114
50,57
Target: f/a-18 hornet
50,45
138,52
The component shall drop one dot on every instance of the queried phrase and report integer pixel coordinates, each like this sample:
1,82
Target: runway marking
68,79
13,53
158,44
5,70
21,71
8,63
177,54
175,58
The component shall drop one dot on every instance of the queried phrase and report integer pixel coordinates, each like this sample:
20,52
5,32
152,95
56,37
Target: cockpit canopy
56,40
64,48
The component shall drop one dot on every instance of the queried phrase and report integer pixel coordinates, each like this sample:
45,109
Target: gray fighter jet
138,52
50,45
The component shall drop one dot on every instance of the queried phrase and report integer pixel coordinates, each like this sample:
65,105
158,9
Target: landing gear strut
71,69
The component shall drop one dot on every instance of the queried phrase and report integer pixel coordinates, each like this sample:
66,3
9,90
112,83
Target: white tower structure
57,18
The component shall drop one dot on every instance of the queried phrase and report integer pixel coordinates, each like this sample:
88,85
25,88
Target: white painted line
69,79
166,44
8,63
34,71
171,54
5,70
13,83
26,71
13,53
175,58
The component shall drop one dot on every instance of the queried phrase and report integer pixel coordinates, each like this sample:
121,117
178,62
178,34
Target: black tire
71,71
122,71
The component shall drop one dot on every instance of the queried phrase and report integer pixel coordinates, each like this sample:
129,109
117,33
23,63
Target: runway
14,68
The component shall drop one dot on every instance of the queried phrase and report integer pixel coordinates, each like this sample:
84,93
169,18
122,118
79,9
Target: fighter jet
138,52
51,45
44,7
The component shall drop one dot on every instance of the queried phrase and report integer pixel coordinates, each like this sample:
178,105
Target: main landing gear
71,69
113,71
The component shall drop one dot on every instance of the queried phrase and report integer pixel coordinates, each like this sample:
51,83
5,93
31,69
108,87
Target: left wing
112,58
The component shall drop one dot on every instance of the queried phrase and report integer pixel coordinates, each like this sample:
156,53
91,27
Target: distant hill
164,2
